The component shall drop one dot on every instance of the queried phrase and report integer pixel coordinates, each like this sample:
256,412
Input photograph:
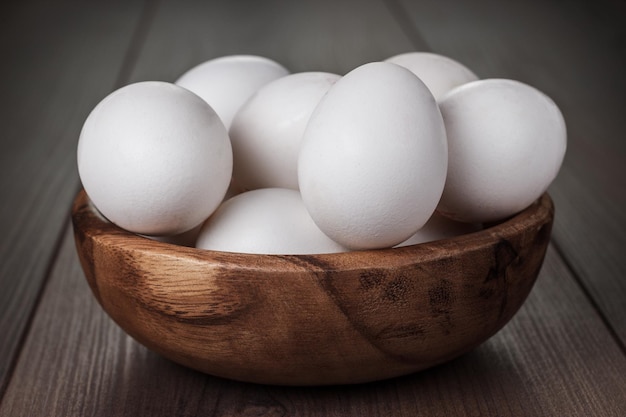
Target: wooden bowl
313,319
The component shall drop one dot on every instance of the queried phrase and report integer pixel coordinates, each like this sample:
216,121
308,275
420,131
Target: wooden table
563,354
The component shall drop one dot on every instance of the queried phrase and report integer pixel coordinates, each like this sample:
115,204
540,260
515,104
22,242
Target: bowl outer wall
313,319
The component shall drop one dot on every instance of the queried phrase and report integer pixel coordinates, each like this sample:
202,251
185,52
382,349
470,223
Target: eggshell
507,141
154,158
227,82
265,221
440,227
440,73
373,159
267,130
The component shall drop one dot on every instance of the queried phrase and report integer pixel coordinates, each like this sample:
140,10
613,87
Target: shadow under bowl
313,319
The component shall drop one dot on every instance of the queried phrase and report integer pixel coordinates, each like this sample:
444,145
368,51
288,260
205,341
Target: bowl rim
88,220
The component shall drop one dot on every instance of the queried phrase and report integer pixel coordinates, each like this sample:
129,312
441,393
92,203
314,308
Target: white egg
373,159
440,73
506,141
154,158
227,82
265,221
267,130
440,227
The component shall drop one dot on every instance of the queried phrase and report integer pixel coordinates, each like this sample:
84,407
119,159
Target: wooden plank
58,61
554,358
574,52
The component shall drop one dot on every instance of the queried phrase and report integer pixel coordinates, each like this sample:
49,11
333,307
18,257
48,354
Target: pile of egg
241,155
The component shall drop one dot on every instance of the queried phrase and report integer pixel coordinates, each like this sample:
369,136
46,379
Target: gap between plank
585,290
29,321
136,43
399,13
128,63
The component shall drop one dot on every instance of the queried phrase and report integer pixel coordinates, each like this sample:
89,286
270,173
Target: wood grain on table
562,354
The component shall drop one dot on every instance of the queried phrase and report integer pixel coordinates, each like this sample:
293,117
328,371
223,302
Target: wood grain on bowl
313,319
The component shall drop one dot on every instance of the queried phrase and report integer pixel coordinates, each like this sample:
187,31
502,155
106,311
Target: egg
507,141
373,158
267,130
227,82
440,73
265,221
154,158
440,227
